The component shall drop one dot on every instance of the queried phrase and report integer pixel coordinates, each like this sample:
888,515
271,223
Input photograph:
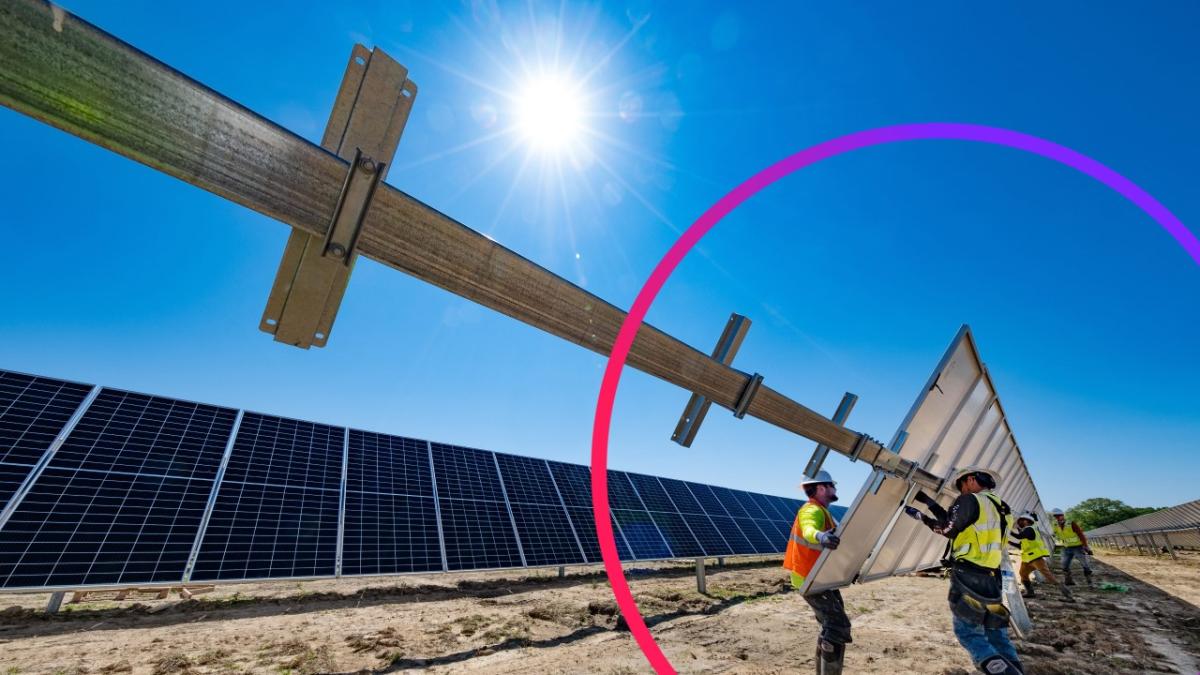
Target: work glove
1087,550
912,512
924,498
828,540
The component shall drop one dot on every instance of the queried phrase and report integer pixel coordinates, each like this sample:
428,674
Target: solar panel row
102,487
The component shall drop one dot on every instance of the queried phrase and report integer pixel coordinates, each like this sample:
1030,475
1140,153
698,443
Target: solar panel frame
466,479
134,530
543,527
382,469
296,511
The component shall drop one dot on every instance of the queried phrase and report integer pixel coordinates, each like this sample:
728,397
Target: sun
550,113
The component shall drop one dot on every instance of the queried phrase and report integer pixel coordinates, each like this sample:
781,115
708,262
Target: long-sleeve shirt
1023,533
949,522
812,521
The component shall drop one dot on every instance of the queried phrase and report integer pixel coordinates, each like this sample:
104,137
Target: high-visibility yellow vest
1065,535
981,543
1032,549
801,553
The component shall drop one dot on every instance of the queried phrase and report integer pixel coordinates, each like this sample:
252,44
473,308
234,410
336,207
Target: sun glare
550,113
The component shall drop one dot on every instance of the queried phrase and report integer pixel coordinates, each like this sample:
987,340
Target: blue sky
856,272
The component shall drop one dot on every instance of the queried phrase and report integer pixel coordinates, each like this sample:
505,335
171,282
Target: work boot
998,665
1070,581
829,657
1087,577
1029,589
1066,593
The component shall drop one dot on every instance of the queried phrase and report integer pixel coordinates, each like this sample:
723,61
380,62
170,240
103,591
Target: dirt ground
534,622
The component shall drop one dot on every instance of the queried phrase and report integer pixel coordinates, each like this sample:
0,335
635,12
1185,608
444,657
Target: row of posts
1122,541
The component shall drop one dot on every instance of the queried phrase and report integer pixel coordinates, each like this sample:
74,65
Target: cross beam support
71,75
697,406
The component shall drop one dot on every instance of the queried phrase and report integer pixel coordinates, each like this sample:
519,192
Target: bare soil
534,622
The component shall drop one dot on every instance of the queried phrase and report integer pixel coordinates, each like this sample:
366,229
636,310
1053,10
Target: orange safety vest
802,554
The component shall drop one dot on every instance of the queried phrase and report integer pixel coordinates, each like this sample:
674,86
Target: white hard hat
967,470
1027,516
821,477
1057,512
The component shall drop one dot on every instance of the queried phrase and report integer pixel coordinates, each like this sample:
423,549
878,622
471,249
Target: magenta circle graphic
760,180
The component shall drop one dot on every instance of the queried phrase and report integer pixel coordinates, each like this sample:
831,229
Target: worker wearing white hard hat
812,532
1069,536
975,525
1034,554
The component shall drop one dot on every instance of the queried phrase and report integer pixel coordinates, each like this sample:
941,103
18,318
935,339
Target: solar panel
391,524
276,512
643,536
547,537
114,488
122,499
33,410
476,522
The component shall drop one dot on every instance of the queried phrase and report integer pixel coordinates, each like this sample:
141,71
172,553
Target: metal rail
69,74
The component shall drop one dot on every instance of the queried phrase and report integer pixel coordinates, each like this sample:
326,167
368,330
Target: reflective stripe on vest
982,542
1065,536
802,554
1032,549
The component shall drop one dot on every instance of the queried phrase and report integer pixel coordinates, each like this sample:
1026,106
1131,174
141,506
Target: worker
1034,553
975,525
812,531
1074,544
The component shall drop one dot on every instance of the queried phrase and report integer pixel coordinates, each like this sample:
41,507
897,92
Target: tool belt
972,606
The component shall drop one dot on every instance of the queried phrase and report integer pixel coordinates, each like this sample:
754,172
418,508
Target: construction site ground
534,622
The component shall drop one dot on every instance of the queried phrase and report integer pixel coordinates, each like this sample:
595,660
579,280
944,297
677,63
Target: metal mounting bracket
840,416
364,128
697,406
743,403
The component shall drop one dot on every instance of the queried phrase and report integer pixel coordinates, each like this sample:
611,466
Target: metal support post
1139,544
56,599
720,562
700,585
1170,547
562,572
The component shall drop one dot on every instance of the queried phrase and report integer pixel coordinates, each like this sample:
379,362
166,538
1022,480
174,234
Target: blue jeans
1070,553
982,643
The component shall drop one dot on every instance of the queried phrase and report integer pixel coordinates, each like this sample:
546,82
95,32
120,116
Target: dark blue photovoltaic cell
546,535
761,542
574,483
774,509
476,525
585,528
652,493
777,532
391,522
11,477
620,492
78,528
390,534
465,473
391,465
276,513
135,433
642,535
32,412
479,535
729,501
279,451
527,480
750,505
681,496
121,500
710,539
258,531
732,533
679,537
708,500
